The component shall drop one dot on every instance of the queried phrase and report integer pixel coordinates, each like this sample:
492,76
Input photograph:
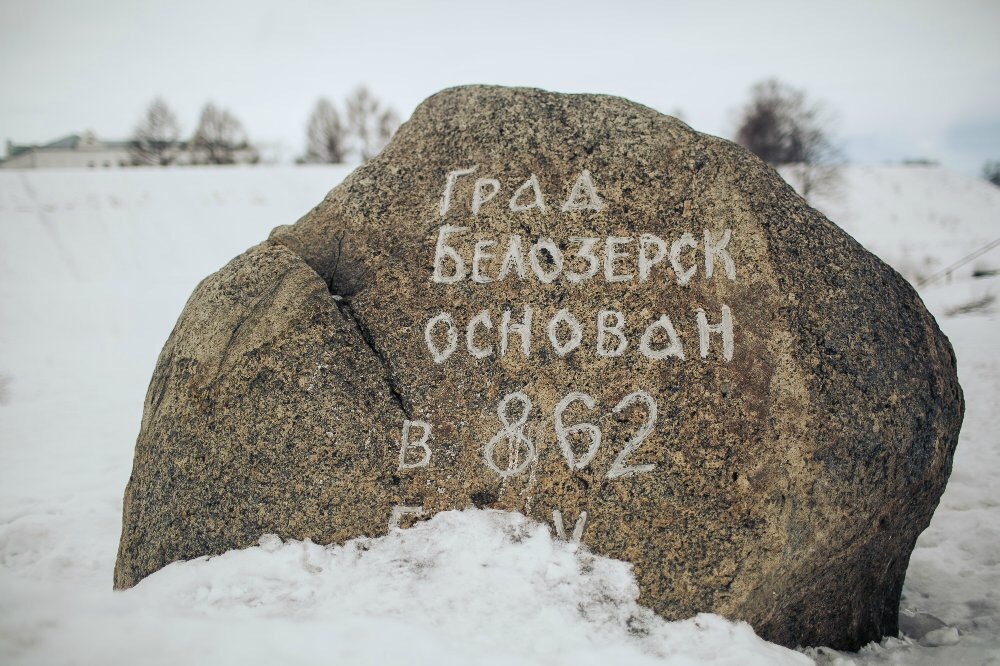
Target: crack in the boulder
348,311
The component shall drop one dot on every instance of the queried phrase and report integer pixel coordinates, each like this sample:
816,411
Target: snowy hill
159,224
96,266
918,219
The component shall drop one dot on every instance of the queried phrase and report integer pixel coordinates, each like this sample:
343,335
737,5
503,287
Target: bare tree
784,129
388,123
326,137
219,137
991,172
369,123
154,141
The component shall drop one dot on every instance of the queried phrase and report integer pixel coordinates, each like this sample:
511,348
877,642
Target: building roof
68,142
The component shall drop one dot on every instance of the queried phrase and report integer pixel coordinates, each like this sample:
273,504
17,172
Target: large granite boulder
574,307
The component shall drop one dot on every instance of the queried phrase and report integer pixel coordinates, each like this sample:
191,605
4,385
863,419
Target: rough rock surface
788,468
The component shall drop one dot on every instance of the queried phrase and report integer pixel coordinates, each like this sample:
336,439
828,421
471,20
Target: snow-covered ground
95,267
919,219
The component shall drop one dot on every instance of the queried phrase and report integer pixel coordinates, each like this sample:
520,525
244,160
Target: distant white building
86,151
70,152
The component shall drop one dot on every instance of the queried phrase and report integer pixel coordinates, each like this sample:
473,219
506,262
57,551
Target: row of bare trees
218,139
778,123
363,129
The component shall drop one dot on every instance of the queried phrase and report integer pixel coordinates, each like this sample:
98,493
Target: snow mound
465,587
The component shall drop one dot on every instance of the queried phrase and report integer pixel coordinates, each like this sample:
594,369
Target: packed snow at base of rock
471,587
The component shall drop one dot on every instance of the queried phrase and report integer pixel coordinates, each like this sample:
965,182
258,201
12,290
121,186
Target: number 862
513,433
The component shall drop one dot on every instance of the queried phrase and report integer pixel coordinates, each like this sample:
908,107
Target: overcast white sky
906,79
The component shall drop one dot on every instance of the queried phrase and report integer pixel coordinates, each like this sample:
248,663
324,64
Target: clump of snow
94,268
940,637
